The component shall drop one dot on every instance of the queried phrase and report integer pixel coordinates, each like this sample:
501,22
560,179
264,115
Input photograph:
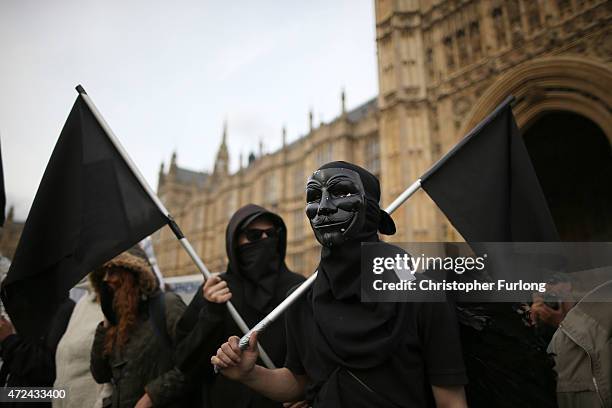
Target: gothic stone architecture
443,65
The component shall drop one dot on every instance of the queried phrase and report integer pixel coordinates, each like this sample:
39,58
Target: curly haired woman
133,346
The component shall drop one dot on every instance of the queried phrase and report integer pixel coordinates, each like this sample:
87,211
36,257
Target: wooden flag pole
171,223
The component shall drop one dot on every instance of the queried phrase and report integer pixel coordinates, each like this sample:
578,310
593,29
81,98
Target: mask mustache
329,222
320,219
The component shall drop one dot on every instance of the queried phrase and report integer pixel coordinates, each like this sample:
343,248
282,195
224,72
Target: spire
160,177
224,137
11,213
173,161
284,136
343,101
240,161
222,160
310,120
260,147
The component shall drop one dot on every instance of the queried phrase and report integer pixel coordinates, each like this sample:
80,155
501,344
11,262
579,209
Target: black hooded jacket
206,325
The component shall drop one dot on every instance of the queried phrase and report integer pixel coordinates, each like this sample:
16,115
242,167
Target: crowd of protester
128,343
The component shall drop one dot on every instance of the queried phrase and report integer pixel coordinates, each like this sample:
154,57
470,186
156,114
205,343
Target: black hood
242,217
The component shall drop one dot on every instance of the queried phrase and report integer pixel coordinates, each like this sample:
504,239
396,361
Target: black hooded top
205,325
368,354
259,287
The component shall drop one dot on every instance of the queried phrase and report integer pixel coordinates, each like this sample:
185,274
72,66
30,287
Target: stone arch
557,83
566,88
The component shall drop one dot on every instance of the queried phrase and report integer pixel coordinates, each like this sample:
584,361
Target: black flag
89,208
488,188
2,193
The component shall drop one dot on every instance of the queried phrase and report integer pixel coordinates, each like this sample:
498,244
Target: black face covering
259,263
342,204
351,334
335,205
107,296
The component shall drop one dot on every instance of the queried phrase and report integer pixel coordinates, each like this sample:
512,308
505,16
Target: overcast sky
167,74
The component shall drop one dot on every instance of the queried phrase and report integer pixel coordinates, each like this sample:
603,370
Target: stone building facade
443,65
202,202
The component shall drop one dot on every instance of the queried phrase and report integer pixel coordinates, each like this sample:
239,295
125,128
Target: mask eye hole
313,195
342,189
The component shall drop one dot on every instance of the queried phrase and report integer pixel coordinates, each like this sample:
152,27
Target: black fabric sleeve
293,360
439,336
59,325
190,317
33,361
197,309
197,345
30,361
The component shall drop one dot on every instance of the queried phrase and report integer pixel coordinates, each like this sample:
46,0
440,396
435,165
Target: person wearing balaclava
342,352
256,281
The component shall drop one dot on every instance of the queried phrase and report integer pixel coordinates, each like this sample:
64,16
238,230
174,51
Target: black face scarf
351,334
259,264
107,297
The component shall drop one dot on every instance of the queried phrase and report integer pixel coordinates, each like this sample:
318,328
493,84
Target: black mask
259,264
107,296
259,259
335,205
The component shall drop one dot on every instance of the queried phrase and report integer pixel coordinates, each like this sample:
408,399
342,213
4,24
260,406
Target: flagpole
147,246
280,309
404,196
171,223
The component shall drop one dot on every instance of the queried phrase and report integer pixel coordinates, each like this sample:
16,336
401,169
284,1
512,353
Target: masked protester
133,347
344,353
256,281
